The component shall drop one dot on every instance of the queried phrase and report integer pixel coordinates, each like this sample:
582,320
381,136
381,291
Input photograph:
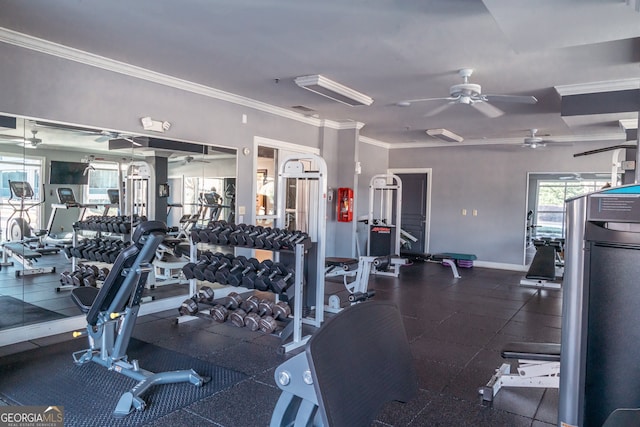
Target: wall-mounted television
69,173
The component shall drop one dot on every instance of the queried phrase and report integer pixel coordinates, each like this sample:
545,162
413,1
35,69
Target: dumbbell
189,307
249,308
238,279
89,280
249,279
268,324
65,278
283,278
263,308
103,273
257,233
220,311
204,294
237,264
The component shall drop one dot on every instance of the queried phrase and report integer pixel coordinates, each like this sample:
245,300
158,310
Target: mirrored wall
70,196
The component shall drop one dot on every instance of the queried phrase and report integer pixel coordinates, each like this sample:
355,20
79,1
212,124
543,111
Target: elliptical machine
19,222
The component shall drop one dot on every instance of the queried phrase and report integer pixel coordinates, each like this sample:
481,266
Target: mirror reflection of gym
90,181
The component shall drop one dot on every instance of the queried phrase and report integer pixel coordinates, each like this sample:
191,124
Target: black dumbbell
103,273
250,306
257,233
249,279
283,278
231,302
214,266
237,264
189,307
65,278
236,279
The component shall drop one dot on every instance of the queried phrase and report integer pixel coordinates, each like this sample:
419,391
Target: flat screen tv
69,173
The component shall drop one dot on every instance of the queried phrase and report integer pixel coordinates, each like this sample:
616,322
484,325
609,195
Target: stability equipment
111,316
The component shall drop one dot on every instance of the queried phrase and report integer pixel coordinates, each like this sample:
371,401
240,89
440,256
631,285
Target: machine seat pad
543,266
22,250
549,352
84,296
336,261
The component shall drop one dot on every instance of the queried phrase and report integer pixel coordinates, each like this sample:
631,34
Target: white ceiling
390,50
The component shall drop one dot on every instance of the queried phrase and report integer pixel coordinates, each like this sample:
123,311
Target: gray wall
493,181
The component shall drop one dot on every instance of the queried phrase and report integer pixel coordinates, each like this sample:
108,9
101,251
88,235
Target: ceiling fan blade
12,138
438,110
487,109
408,102
521,99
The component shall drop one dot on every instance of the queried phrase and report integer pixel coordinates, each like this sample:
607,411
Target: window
550,211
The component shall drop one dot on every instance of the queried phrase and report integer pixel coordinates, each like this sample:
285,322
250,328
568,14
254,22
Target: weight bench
538,366
332,384
112,311
25,256
542,272
451,259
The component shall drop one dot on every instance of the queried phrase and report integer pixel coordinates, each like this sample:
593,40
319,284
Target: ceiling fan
31,142
535,141
188,159
471,94
99,135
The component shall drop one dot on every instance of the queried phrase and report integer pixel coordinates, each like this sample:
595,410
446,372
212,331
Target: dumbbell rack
293,328
74,260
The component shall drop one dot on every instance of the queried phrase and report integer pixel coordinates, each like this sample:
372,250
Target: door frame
429,173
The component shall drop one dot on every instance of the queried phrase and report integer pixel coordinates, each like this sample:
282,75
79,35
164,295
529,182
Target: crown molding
47,47
597,87
371,141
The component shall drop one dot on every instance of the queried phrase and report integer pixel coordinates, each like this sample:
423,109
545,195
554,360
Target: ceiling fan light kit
444,135
333,90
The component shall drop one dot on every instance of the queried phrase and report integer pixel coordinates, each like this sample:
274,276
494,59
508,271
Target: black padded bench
538,365
542,271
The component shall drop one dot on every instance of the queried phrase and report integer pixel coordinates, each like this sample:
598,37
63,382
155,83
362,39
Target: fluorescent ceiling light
325,87
444,135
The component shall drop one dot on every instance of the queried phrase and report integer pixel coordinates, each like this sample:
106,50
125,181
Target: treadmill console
114,196
66,196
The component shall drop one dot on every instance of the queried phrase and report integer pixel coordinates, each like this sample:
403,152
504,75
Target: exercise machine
111,314
63,215
383,222
546,268
314,389
600,300
20,234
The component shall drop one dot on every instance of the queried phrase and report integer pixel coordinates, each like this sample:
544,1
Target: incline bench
112,311
538,366
542,272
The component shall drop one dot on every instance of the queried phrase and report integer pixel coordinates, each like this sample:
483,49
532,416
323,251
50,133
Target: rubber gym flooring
456,328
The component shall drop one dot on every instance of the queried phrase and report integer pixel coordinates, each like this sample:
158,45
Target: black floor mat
15,312
89,393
